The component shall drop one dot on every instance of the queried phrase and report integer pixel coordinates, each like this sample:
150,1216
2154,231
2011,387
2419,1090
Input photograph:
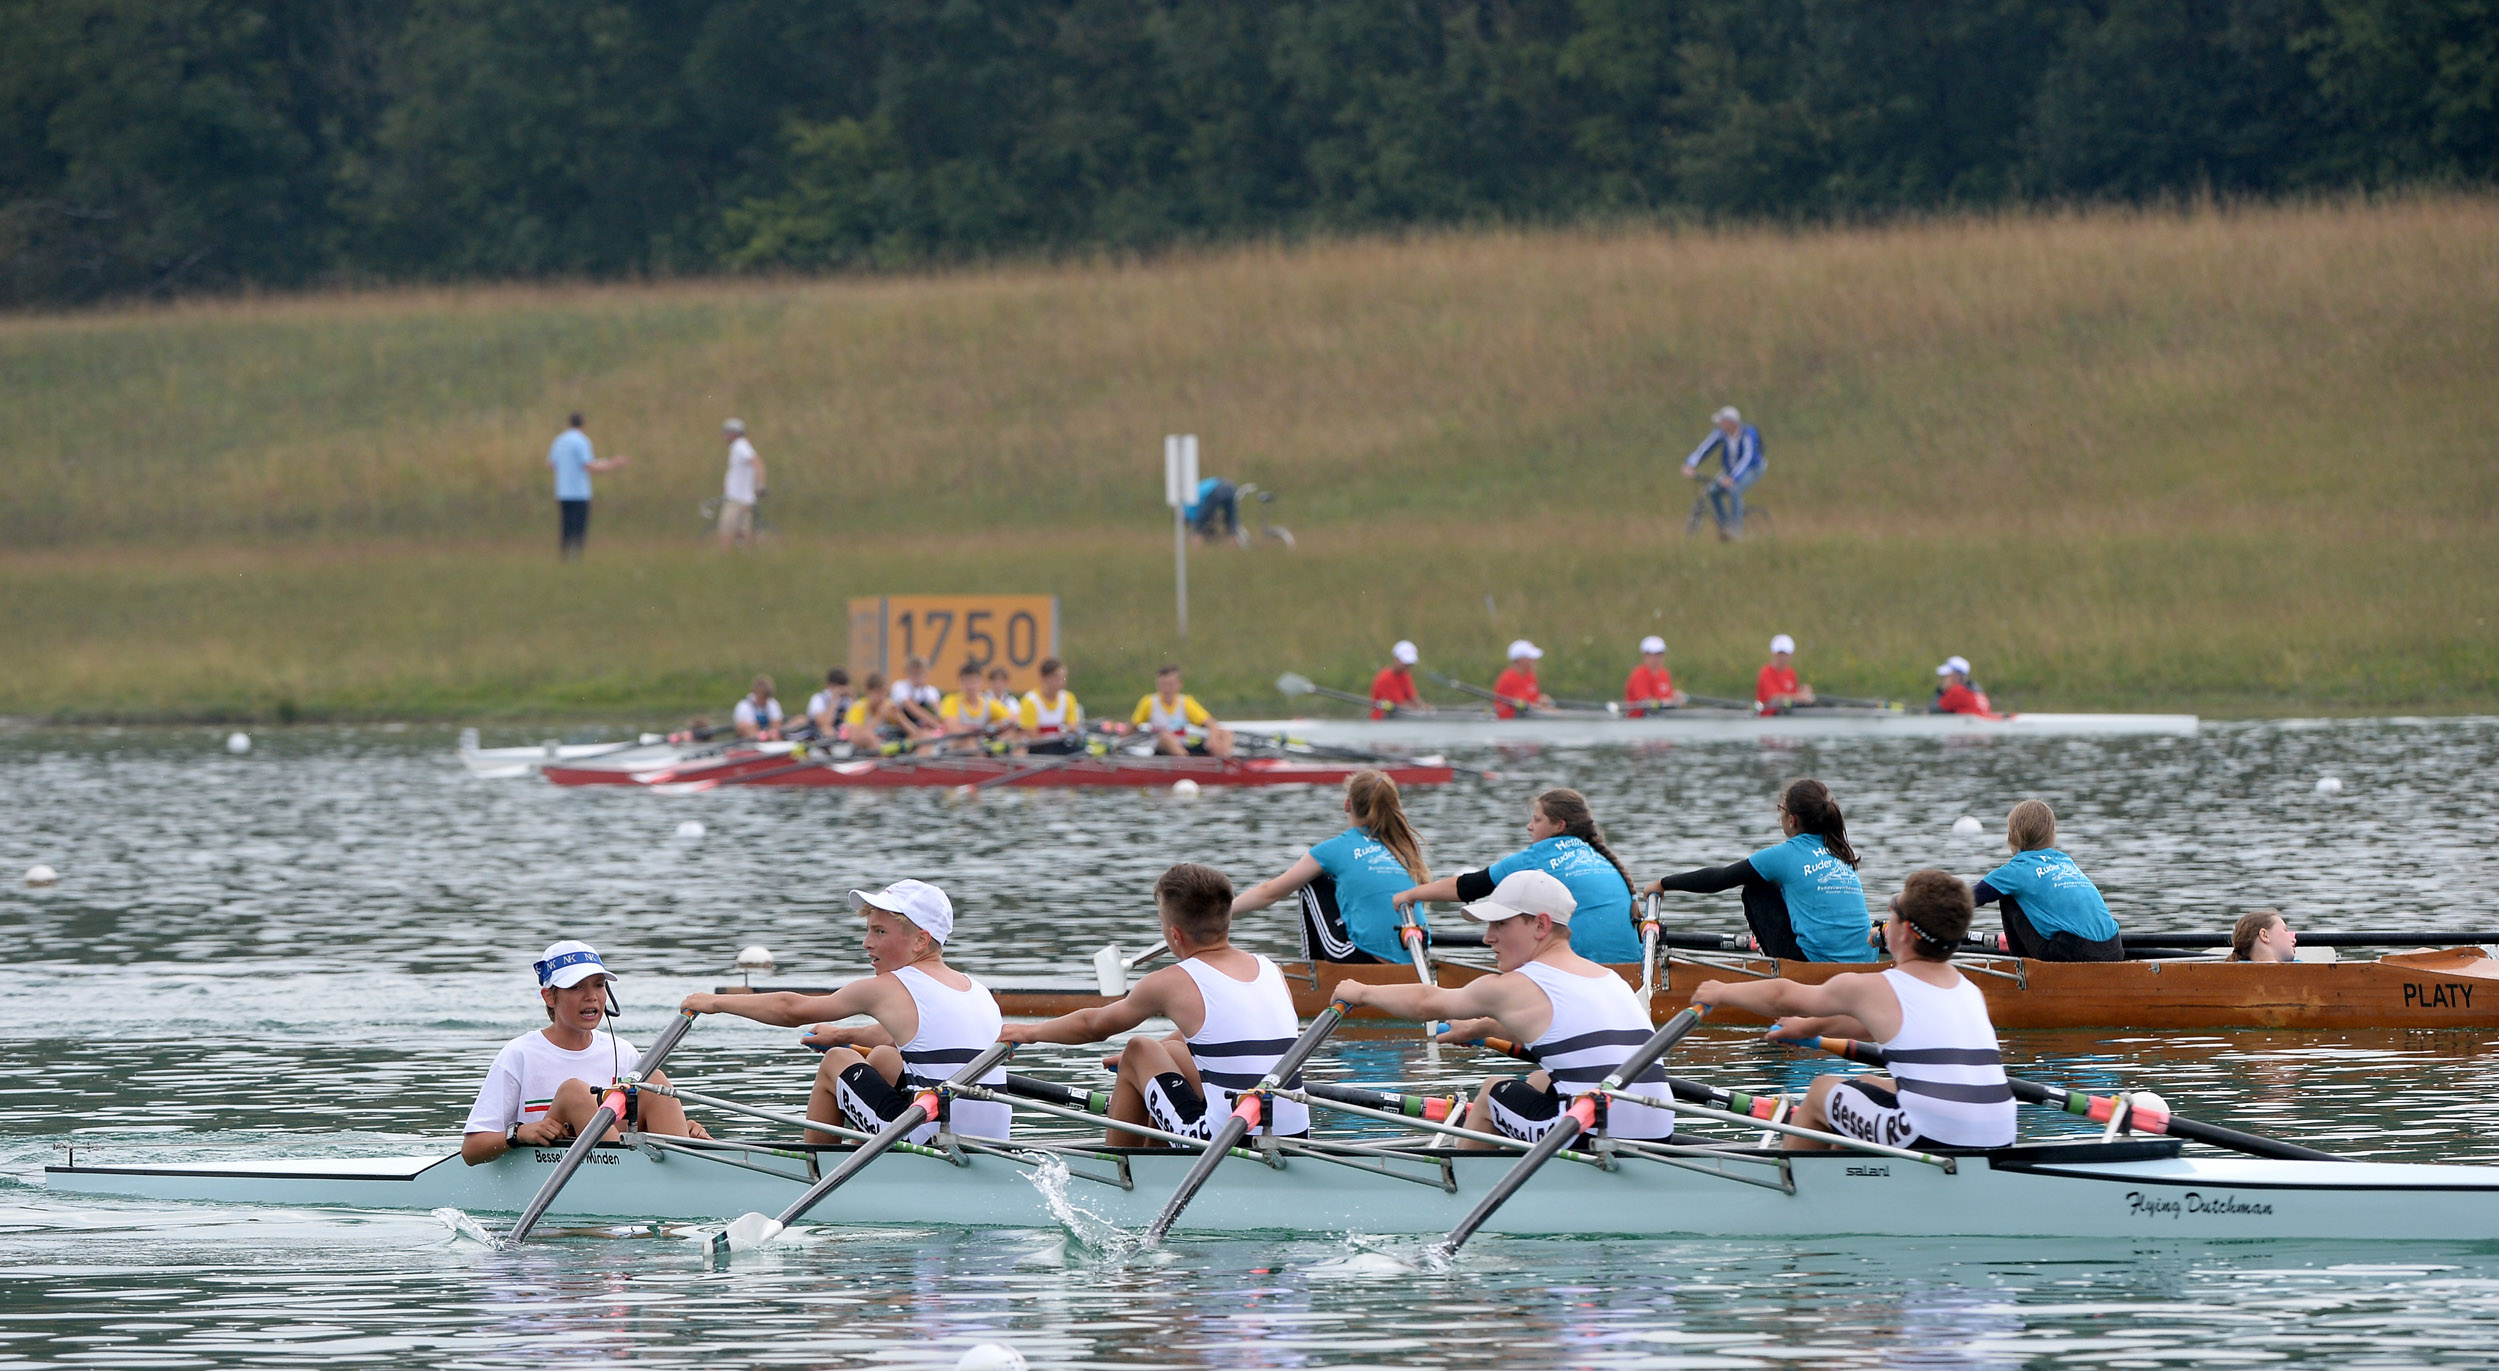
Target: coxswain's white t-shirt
745,713
905,693
741,483
522,1082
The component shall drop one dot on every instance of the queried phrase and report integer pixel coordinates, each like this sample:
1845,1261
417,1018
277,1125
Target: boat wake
1365,1255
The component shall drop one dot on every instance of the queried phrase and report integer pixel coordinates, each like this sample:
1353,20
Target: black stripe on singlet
1603,1037
1245,1047
1242,1080
1946,1056
1953,1090
952,1056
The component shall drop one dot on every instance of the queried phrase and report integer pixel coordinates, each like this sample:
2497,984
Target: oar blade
745,1233
1226,1138
1294,683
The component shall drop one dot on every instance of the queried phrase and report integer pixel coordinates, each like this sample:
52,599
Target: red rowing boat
779,768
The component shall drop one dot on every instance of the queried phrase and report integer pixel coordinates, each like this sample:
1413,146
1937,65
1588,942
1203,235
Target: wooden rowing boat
772,765
1593,728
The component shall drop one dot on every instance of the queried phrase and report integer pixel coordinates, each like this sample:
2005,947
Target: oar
1245,1114
1649,933
754,1230
1090,1101
2099,1108
611,1108
1412,934
1287,744
1523,706
1577,1119
1295,684
1847,702
1429,1108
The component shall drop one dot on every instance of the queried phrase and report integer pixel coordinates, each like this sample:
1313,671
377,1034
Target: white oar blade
1294,683
745,1233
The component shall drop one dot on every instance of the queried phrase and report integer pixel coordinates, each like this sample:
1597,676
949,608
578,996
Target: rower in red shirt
1957,695
1776,690
1392,691
1651,685
1517,687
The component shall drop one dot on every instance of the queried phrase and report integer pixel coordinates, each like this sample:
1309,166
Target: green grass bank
2232,462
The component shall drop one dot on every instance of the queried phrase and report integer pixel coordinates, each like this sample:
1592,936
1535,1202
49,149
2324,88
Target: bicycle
710,512
1242,536
1702,514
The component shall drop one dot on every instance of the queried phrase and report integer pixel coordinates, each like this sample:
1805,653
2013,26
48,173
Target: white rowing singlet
1054,716
1249,1024
955,1027
1597,1021
1948,1064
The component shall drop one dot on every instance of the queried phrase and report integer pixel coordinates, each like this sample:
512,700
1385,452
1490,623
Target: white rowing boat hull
506,763
2130,1189
1593,729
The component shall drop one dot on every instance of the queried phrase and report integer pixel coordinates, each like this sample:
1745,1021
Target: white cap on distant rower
1526,649
733,426
568,964
1652,643
923,904
1726,414
1525,892
1783,643
1960,664
1404,652
1944,670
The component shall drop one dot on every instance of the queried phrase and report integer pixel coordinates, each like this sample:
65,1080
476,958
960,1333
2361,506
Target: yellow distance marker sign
1017,631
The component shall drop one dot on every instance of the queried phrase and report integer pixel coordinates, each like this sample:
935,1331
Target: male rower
1232,1010
915,701
1005,706
965,711
1392,691
1954,694
1181,727
826,708
1947,1086
1516,687
758,716
1776,689
1579,1018
1651,685
929,1020
545,1084
1051,719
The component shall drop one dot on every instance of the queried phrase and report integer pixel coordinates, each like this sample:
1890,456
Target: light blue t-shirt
570,456
1601,928
1826,903
1368,877
2055,895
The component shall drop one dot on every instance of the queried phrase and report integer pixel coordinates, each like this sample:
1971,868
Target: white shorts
737,519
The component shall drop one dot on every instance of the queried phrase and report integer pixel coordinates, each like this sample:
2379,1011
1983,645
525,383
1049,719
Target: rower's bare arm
1150,997
1486,997
1856,996
787,1009
1265,893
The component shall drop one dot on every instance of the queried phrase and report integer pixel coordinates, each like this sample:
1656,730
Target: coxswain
1580,1019
1005,707
1802,897
1392,691
1651,685
2263,935
915,701
1051,719
758,716
2052,911
545,1084
1516,690
827,707
1776,689
1232,1009
1179,725
1954,694
929,1019
1947,1086
1565,843
1348,883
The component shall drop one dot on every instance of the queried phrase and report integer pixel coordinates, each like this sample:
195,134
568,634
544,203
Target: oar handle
1245,1114
921,1110
1429,1108
611,1108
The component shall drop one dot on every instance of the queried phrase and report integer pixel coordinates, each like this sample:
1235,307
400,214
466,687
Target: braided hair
1570,809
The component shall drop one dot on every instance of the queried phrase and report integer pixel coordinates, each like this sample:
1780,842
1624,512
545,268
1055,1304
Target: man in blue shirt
573,461
1738,445
1216,513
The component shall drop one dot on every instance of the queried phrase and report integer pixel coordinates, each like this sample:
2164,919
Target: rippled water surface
318,947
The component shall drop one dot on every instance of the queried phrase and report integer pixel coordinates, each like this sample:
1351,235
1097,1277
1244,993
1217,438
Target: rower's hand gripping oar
611,1108
754,1230
1246,1112
1577,1119
2099,1108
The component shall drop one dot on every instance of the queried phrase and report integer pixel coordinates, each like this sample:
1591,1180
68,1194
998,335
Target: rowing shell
1593,729
2132,1188
775,768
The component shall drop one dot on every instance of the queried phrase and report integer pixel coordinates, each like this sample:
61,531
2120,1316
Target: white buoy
238,743
39,875
2329,785
1186,789
758,959
1967,827
990,1356
691,828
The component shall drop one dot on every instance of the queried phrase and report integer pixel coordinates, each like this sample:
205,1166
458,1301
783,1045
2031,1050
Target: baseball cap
1404,652
1726,412
1960,664
1944,670
568,964
923,904
1652,643
1524,648
1783,643
734,426
1525,892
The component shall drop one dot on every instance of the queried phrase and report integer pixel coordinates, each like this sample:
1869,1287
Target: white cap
734,426
1652,643
1525,892
1960,664
1404,652
1526,649
1726,414
1944,670
568,964
923,904
1783,643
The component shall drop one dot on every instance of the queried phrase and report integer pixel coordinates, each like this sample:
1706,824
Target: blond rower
1181,727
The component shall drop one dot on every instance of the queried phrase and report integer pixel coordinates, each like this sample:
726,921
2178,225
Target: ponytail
1570,809
1371,800
1809,802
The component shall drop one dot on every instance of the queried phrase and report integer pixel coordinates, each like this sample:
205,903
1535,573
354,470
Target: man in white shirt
758,715
738,492
545,1085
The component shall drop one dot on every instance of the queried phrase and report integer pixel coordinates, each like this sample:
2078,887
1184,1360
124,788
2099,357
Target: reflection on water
318,946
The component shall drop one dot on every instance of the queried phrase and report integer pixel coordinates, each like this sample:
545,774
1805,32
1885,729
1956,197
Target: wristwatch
512,1138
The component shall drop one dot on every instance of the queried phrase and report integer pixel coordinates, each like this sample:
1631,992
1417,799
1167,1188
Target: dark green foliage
157,146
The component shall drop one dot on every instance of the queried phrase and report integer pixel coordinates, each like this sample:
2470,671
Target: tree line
169,146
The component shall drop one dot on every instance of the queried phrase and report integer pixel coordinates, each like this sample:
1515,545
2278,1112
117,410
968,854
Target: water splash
1085,1229
462,1226
1366,1255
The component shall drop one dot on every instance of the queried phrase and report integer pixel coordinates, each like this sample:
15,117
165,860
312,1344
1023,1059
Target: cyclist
1738,445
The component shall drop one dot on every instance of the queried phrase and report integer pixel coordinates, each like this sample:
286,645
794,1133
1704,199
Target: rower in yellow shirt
1051,720
966,711
1172,713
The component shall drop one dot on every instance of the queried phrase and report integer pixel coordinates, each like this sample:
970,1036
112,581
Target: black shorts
1519,1110
1325,938
1870,1113
2027,941
1057,746
872,1102
1175,1106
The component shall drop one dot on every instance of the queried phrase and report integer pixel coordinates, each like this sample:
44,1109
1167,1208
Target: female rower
1348,884
1802,897
1564,840
2263,936
2052,912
